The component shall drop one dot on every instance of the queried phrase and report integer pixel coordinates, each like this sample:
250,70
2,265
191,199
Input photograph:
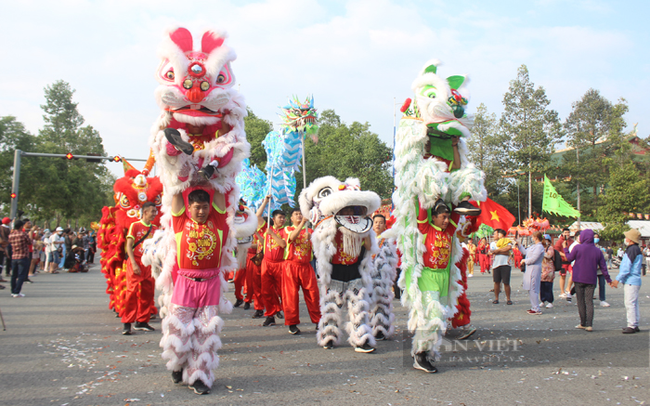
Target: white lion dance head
331,206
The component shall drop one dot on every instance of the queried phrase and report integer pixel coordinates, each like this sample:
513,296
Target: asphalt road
63,347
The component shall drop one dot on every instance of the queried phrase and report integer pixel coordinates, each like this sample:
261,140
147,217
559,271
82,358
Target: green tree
13,135
487,152
528,129
348,151
256,130
594,130
627,192
67,189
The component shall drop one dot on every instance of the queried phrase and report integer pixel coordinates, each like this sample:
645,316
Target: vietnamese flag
494,215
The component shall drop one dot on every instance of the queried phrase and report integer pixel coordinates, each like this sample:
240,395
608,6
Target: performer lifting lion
434,183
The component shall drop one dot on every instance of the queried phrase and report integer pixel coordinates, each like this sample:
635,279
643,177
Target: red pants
254,283
484,261
297,274
240,279
138,296
272,286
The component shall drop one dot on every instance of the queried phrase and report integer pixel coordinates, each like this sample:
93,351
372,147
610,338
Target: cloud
358,57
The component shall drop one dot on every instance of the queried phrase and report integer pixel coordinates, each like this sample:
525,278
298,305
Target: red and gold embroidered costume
298,272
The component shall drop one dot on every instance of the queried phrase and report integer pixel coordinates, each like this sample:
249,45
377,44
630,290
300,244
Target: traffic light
69,156
13,195
96,161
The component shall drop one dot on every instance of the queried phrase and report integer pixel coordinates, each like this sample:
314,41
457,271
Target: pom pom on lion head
327,198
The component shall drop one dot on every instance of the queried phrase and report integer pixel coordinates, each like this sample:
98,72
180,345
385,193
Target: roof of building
642,225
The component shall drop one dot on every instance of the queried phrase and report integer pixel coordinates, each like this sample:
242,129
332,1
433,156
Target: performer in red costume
272,267
298,272
193,314
140,285
254,276
245,222
518,257
131,192
483,259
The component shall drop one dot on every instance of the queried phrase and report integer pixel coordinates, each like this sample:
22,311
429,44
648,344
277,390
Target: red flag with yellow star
494,215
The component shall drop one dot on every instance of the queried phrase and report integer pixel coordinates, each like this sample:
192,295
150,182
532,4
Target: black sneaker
421,362
199,387
280,315
293,329
258,314
247,306
270,321
174,138
329,345
239,302
364,348
143,326
630,330
467,209
177,376
126,331
380,336
28,281
207,172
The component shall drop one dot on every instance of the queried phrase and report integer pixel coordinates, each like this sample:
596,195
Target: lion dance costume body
344,263
131,191
431,164
198,104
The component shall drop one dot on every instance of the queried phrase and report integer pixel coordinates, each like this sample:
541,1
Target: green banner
554,203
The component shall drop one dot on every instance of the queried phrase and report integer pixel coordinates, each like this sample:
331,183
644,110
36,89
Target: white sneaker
541,304
604,303
562,296
549,305
17,295
470,275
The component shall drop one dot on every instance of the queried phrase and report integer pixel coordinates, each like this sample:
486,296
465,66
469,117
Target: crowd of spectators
26,250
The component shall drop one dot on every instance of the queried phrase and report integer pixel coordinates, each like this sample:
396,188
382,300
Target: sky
357,57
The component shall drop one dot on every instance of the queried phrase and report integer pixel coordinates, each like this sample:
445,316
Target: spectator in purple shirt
588,258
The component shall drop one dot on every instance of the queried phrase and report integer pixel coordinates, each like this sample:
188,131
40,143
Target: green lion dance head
440,103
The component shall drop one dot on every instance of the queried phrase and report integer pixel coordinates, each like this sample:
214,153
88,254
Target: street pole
304,167
530,191
518,205
578,184
394,132
15,183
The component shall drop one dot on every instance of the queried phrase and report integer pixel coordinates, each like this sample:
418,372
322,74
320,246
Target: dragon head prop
328,198
300,117
440,103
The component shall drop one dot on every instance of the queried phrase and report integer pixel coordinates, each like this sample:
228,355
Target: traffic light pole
15,181
16,177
